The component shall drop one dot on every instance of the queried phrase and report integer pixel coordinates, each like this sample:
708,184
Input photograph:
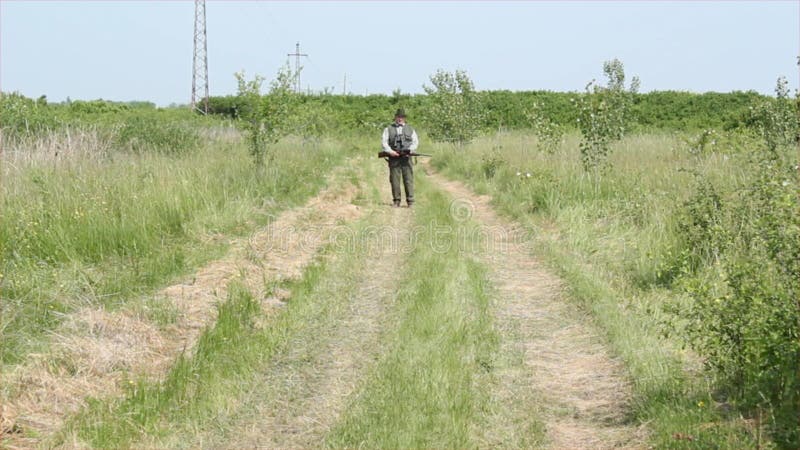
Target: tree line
666,110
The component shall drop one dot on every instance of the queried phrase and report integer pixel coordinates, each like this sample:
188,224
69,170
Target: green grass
104,231
185,390
428,391
202,385
206,389
101,230
609,239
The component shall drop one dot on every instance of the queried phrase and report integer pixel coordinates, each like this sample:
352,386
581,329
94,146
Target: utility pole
344,84
297,56
200,60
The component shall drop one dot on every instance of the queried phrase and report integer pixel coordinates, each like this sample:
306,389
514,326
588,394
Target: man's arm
385,140
385,143
414,141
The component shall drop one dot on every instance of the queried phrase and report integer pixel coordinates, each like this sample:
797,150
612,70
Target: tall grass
205,388
610,237
98,228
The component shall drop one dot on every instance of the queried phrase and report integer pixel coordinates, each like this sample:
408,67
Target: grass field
397,327
100,230
613,238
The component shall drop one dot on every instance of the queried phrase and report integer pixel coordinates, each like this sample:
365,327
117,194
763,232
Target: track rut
553,364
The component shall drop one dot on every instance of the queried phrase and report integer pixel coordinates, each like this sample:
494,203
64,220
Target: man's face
400,120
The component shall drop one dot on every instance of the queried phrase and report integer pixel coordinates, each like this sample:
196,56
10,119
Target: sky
142,50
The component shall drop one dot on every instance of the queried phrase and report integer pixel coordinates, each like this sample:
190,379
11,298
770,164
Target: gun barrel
383,154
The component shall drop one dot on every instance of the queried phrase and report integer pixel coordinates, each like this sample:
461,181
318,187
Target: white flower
785,183
528,174
519,173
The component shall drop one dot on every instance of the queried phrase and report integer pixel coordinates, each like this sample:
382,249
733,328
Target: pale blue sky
142,50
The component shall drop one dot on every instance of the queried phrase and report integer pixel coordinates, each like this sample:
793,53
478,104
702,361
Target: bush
740,264
227,106
96,107
743,262
21,116
149,133
776,121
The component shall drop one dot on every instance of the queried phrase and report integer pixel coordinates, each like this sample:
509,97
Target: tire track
552,365
303,392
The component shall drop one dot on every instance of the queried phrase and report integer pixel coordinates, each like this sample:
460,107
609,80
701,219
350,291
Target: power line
297,56
200,60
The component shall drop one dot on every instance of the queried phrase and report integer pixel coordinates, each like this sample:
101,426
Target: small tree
279,106
777,121
455,108
248,101
265,118
548,133
603,115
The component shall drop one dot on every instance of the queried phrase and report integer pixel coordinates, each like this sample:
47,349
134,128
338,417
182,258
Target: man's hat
400,113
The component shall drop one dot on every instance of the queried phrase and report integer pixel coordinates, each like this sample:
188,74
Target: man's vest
402,141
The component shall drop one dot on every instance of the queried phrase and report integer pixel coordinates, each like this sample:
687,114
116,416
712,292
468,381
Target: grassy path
293,401
370,326
554,367
429,387
388,344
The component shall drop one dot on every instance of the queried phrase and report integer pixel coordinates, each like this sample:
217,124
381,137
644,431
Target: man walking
399,139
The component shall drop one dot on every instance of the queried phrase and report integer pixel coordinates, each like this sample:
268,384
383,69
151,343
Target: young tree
265,118
549,134
604,115
455,109
777,121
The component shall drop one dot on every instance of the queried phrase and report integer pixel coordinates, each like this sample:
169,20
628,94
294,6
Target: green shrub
491,163
143,133
743,264
739,260
776,121
21,116
660,110
96,107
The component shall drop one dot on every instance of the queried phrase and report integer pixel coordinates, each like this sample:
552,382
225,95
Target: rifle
403,154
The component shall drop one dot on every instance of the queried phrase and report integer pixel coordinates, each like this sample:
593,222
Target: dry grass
54,149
